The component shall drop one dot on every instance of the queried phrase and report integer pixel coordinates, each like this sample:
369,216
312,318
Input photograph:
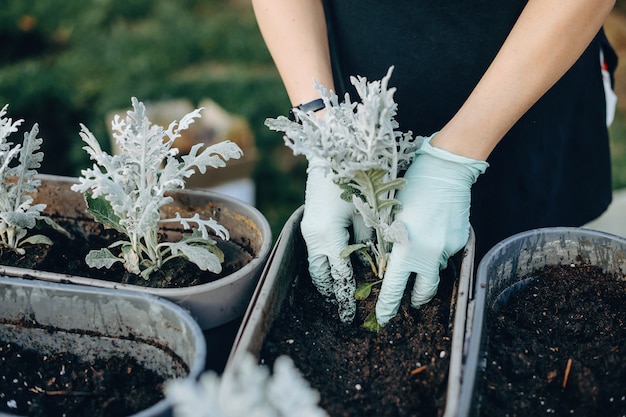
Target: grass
63,63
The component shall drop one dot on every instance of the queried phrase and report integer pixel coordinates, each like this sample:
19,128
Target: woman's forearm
547,39
295,34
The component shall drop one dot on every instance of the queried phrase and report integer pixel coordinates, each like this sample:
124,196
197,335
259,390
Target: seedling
125,192
248,389
18,169
364,153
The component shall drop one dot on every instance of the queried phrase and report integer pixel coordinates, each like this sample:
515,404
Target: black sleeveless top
551,169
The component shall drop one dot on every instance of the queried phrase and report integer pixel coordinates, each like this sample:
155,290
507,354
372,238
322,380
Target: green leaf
364,290
37,240
102,258
392,202
196,239
201,256
54,225
348,250
215,250
361,248
370,216
374,187
20,220
102,212
213,156
349,189
371,323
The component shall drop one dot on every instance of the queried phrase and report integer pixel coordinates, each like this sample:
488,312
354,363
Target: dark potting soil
67,256
61,384
558,347
399,371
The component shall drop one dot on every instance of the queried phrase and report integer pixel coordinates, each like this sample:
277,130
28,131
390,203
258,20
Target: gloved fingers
429,259
425,288
324,238
430,255
344,287
393,286
425,257
319,270
335,283
330,273
324,227
333,277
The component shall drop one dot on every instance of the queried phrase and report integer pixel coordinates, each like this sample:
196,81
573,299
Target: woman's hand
435,211
324,227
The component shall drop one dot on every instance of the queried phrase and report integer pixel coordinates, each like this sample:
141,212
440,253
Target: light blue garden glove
435,211
324,226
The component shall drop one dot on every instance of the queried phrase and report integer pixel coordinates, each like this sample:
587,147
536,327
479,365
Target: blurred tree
63,63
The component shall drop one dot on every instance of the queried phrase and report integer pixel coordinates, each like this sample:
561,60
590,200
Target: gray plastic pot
276,280
211,304
509,262
102,323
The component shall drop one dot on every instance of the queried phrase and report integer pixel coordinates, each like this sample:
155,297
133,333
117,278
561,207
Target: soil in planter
61,384
67,256
400,371
558,346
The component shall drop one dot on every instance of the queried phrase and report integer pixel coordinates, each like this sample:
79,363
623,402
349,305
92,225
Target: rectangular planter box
513,259
102,323
275,283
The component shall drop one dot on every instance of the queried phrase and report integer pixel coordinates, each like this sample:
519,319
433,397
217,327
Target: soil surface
558,347
400,371
61,384
67,256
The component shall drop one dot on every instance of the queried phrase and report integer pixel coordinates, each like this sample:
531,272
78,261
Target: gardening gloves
324,226
435,211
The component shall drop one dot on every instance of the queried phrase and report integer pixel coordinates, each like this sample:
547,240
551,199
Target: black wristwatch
315,105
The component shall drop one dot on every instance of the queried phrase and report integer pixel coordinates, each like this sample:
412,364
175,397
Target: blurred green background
67,62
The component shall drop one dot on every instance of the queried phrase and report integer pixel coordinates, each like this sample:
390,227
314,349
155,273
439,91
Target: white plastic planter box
512,260
102,323
276,280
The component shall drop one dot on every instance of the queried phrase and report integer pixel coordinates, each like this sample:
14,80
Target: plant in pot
413,364
548,333
133,225
76,350
18,168
126,193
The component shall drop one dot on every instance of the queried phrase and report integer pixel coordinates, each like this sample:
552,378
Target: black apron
551,169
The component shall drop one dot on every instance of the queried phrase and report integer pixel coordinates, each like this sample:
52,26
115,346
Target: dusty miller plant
365,153
126,192
18,168
247,390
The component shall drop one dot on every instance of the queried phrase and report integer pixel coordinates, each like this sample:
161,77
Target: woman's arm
295,34
546,40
